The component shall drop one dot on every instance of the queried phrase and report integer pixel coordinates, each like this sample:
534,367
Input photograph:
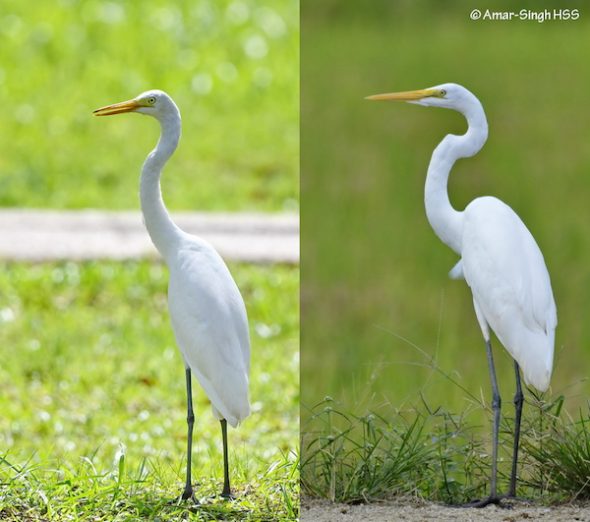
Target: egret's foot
227,495
181,499
188,494
486,502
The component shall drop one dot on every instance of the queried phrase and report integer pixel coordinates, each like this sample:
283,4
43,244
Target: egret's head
447,95
154,103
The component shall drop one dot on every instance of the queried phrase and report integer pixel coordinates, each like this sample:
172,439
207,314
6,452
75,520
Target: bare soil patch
413,511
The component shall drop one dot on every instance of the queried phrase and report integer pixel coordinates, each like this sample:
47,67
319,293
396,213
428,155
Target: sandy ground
323,511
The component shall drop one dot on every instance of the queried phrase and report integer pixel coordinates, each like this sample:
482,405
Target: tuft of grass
438,456
361,458
561,457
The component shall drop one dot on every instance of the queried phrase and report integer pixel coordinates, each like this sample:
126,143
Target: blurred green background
89,363
231,66
374,275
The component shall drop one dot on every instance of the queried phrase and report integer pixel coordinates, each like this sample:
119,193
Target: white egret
500,261
206,309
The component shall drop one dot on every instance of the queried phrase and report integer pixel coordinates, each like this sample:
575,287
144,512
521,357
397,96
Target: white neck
444,219
161,228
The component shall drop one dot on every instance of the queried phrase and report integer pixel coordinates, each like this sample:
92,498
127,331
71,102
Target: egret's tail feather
533,351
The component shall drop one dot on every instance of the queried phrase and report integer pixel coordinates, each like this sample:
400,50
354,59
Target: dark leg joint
188,493
496,402
518,399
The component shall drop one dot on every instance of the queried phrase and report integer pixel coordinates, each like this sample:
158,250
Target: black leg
518,402
226,493
190,419
496,405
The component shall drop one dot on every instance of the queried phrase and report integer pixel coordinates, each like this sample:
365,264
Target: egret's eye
443,92
151,100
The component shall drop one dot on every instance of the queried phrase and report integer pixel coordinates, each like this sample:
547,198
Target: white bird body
211,327
500,261
506,272
206,308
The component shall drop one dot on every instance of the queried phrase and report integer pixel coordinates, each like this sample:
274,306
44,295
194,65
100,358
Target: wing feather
211,327
507,274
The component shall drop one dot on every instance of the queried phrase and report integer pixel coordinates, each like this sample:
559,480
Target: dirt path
322,511
44,235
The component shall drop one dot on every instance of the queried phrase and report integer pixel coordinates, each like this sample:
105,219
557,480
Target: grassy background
373,271
231,66
91,367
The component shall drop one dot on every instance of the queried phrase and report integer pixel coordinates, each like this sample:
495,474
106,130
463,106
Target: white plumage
209,320
206,308
500,261
506,272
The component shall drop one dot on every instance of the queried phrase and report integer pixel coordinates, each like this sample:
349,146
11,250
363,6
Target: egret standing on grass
207,311
500,261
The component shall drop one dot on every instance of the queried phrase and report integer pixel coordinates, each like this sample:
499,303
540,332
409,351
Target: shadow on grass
210,508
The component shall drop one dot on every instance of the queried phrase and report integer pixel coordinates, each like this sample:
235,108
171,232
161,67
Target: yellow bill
407,95
118,108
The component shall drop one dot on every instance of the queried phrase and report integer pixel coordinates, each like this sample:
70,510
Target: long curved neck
162,230
444,219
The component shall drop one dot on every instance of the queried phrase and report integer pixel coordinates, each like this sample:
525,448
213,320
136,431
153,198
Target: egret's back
211,327
506,272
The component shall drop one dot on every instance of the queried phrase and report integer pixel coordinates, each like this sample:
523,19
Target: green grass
364,459
563,458
93,401
438,456
374,274
232,67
